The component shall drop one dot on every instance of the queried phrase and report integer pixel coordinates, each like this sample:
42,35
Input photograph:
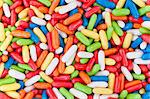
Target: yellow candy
94,30
140,3
142,91
47,61
69,70
40,34
49,27
111,81
2,34
120,4
103,38
57,8
90,34
8,33
25,80
13,94
1,68
110,61
107,18
116,38
25,54
37,12
6,42
10,87
127,40
105,91
78,44
1,3
23,13
46,77
65,40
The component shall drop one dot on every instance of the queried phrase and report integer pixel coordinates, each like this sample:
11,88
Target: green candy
8,80
123,94
138,77
15,39
121,12
144,30
117,29
9,2
25,66
1,53
94,70
84,60
17,68
109,32
94,47
83,88
45,2
134,96
13,28
83,39
66,93
6,29
24,42
92,22
74,74
144,10
41,80
91,41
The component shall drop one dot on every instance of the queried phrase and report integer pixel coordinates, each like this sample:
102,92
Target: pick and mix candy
74,49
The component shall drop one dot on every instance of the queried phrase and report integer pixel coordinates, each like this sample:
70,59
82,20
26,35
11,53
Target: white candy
101,59
134,31
43,46
68,7
103,73
33,52
57,93
59,50
6,10
146,24
143,45
38,21
121,23
96,96
68,1
47,17
78,93
32,80
107,96
140,61
5,52
98,84
133,55
81,28
126,73
16,74
136,69
69,53
108,10
69,62
79,4
62,34
52,66
29,88
83,54
134,37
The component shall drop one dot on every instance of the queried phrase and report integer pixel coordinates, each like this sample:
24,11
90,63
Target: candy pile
86,49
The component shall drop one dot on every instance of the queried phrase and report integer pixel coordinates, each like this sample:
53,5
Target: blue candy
72,12
133,9
33,36
136,43
44,29
62,44
146,95
106,3
85,21
21,84
146,56
109,45
9,63
44,95
99,18
99,78
62,2
145,18
15,62
128,26
147,88
32,25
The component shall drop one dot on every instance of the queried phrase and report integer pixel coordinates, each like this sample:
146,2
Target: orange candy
4,58
42,85
55,39
85,77
43,9
20,34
